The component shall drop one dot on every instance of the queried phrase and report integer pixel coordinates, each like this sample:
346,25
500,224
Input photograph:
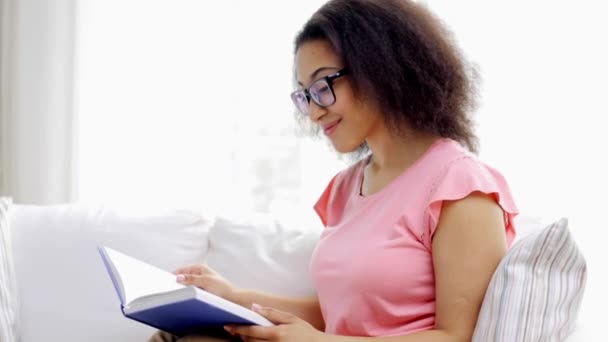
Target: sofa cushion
66,294
261,252
8,286
536,291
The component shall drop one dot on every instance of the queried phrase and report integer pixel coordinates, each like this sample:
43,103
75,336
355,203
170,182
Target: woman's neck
392,152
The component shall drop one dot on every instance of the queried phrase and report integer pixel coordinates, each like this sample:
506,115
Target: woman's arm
208,279
307,309
468,244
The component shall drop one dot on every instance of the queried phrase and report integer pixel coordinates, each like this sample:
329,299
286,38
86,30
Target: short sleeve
458,180
334,200
322,205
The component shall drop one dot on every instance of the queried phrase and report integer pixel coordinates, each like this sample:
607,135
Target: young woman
415,228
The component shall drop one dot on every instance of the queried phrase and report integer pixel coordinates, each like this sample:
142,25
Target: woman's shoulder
458,164
353,170
338,191
448,157
457,174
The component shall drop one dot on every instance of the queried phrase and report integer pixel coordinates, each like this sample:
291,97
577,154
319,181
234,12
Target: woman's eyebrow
314,74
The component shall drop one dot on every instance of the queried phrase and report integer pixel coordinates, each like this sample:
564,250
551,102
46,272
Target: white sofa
66,295
64,291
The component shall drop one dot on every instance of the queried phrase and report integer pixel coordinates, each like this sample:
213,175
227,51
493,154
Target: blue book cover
150,295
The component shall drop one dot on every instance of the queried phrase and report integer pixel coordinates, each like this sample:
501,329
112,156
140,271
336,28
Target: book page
139,278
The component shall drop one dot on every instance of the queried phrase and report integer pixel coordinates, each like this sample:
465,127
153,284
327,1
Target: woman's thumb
189,279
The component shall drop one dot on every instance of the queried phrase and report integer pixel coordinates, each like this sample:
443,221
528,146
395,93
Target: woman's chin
344,147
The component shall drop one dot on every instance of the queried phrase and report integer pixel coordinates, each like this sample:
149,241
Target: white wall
544,100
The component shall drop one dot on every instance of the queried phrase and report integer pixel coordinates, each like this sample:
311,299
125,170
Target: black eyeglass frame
329,79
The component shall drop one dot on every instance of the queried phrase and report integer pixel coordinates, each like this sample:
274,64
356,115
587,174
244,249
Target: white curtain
36,118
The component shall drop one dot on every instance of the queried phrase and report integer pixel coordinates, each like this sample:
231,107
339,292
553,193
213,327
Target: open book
152,296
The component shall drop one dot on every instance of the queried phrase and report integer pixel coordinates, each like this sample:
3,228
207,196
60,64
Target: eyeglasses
320,91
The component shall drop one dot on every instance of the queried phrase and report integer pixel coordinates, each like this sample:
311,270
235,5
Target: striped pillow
536,290
8,286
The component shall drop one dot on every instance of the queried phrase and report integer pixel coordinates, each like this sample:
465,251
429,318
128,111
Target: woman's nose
316,112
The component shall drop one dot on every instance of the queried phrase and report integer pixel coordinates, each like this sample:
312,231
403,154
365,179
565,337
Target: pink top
372,267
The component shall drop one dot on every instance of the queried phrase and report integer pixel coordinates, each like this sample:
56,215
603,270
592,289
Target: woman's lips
330,128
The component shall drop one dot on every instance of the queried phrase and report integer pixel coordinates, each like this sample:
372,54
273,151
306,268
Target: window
170,112
171,109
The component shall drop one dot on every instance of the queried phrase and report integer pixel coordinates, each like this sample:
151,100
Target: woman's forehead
313,55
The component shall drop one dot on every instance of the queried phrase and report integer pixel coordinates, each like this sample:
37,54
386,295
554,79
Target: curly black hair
402,56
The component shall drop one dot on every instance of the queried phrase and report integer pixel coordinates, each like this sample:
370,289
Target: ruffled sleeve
335,198
322,205
458,180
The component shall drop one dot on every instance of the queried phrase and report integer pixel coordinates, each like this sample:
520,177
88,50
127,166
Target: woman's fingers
193,269
253,332
251,339
274,315
193,279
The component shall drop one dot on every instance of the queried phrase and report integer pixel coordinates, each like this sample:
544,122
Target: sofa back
66,294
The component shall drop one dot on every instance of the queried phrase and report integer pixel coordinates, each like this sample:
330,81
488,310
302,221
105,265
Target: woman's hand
207,279
288,328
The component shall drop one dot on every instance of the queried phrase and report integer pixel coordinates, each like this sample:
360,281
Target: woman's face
349,120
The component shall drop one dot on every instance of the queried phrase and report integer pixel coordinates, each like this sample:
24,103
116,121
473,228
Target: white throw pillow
259,252
8,287
536,291
66,294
